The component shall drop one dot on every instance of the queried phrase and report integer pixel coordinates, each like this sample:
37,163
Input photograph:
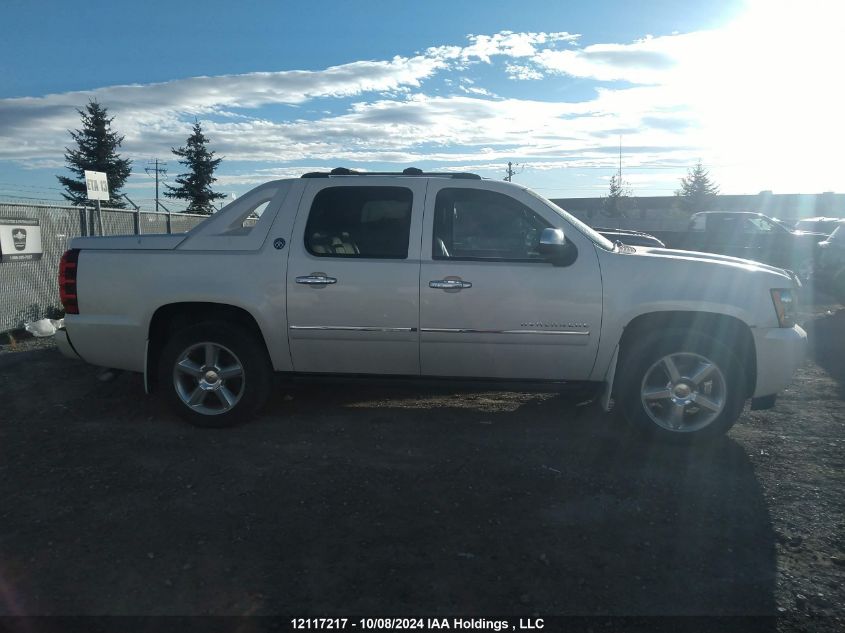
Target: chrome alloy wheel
683,392
209,378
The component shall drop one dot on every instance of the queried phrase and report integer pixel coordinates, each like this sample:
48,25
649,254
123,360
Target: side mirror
555,249
552,243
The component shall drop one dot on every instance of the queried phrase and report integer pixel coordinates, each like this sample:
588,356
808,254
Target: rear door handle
449,284
318,279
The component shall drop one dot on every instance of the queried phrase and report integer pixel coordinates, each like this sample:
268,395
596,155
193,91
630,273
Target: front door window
473,224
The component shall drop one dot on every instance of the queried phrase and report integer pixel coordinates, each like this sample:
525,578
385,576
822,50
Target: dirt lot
375,501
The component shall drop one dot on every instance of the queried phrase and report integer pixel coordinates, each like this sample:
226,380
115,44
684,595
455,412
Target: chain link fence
29,289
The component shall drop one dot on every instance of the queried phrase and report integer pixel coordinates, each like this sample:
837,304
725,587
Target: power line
9,195
35,187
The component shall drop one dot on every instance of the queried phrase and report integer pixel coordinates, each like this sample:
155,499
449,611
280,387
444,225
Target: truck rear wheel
681,386
214,374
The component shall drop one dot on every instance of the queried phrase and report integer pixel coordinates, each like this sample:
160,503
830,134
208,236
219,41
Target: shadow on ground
356,500
826,337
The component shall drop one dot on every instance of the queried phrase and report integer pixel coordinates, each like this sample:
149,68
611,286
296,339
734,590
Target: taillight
67,281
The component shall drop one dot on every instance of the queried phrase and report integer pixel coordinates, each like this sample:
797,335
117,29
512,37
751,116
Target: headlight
784,300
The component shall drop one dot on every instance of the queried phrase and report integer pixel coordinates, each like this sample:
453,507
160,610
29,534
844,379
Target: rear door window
363,222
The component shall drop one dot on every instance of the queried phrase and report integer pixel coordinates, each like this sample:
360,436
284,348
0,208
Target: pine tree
698,191
195,186
618,201
96,150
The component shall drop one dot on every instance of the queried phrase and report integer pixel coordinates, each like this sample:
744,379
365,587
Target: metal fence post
89,221
83,224
100,219
169,228
136,222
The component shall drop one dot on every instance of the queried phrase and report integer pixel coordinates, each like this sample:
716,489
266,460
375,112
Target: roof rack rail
410,171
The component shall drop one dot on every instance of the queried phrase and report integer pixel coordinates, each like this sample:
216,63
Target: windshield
762,224
597,238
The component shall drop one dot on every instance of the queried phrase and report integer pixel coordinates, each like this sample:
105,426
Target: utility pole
158,169
510,172
620,160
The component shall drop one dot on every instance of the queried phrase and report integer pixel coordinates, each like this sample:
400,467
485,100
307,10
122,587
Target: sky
750,88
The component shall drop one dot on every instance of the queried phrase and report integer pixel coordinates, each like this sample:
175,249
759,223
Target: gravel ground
373,501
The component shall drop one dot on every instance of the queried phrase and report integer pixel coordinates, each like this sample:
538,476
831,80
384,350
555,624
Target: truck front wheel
681,386
214,374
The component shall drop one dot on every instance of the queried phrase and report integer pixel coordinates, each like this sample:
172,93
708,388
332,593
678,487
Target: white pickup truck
428,275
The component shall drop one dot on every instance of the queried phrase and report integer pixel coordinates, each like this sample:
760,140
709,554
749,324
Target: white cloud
35,127
758,98
476,90
522,72
650,60
510,44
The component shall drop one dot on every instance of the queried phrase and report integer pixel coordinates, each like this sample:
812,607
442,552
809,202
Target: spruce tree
618,201
195,185
698,191
96,150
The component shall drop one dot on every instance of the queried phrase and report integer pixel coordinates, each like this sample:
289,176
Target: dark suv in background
830,270
752,236
822,225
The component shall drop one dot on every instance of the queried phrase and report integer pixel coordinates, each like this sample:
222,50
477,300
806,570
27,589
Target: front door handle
449,284
317,279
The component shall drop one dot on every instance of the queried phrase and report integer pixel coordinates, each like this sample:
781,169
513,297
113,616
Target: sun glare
768,97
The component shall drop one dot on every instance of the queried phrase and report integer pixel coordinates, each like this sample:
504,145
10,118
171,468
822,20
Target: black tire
236,347
641,365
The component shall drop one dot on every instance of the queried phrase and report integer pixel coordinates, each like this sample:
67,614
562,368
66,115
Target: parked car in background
631,238
822,225
830,270
752,236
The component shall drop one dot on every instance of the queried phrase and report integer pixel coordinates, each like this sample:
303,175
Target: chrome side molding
449,330
373,328
352,328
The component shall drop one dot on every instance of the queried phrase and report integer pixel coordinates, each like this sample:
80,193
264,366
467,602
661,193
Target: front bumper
64,344
780,351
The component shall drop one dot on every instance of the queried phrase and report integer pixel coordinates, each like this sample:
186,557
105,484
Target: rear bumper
780,351
64,344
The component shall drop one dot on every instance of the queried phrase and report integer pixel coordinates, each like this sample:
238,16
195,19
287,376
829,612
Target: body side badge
279,243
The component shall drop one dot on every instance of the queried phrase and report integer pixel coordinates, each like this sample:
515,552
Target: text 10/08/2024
418,624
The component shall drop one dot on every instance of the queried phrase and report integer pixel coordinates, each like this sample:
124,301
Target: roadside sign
20,239
98,185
